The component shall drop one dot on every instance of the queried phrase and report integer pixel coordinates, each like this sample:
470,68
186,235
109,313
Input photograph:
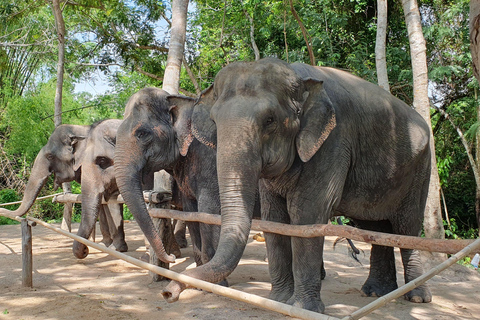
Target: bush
6,196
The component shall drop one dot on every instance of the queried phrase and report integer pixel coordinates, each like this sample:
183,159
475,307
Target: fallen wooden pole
319,230
207,286
380,302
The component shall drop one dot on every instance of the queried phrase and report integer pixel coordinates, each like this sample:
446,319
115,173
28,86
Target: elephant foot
421,294
121,246
223,283
107,242
281,295
323,273
145,257
182,241
377,289
308,303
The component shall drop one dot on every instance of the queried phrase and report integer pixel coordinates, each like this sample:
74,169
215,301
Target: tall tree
433,223
171,78
380,54
60,26
474,27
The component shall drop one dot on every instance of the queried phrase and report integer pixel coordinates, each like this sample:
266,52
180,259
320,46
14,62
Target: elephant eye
142,133
49,156
103,162
269,121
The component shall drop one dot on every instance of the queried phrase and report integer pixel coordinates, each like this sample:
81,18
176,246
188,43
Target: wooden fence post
67,208
162,182
27,261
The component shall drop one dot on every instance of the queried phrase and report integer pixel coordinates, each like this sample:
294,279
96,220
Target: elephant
317,142
62,156
156,135
57,157
98,183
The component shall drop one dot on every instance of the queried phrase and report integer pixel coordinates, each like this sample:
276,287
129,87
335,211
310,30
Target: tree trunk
433,224
380,56
171,78
305,34
475,50
252,35
60,26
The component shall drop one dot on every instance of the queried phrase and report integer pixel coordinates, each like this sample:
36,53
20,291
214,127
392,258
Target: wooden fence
459,249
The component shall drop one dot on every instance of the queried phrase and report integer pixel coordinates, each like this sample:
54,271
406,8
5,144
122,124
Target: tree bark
60,26
433,224
380,56
171,77
475,50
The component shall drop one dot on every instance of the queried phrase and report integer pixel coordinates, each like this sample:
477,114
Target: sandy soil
102,287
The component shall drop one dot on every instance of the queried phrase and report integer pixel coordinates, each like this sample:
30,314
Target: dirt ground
102,287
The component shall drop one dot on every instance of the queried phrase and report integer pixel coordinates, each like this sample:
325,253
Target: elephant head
58,157
154,134
97,176
264,117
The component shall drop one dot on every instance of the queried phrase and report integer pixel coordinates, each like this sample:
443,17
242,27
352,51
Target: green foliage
6,196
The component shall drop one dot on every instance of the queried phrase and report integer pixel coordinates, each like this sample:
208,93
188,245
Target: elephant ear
78,144
203,127
181,109
317,119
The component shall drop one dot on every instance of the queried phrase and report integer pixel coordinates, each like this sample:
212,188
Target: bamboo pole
207,286
39,198
320,230
380,302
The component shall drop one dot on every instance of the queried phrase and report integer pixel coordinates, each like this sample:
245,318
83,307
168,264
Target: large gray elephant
156,135
321,142
63,156
98,183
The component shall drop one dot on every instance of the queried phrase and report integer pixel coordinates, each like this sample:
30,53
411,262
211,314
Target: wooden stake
27,261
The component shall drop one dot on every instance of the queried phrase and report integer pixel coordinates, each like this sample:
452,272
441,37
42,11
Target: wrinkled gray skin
155,135
62,156
322,142
98,182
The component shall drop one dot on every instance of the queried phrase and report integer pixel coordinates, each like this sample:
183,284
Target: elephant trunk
129,182
238,170
91,206
40,173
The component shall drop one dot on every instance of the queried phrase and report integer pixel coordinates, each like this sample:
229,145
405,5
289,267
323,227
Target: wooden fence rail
460,249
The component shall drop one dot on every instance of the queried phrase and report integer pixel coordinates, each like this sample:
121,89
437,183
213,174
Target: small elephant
321,142
62,156
155,135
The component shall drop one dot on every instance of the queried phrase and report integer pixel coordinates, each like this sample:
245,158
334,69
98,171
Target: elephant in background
98,183
155,135
56,157
317,142
62,156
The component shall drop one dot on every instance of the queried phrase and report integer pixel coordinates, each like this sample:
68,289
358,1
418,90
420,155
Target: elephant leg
382,278
413,269
194,230
279,248
409,221
104,226
116,225
180,233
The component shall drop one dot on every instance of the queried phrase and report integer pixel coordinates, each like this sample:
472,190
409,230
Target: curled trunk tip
172,291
